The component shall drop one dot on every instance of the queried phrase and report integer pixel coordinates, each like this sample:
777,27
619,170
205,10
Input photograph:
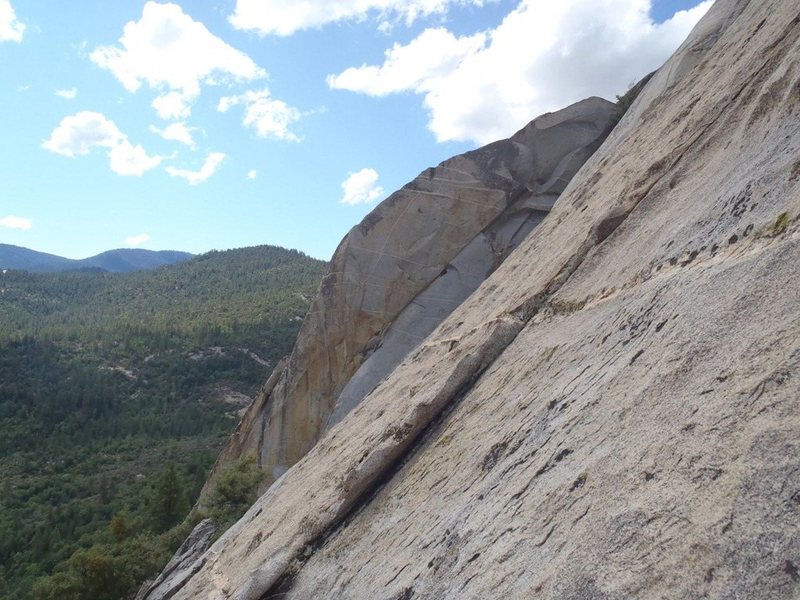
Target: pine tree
168,504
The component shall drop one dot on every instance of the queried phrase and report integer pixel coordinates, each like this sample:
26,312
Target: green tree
168,505
234,491
91,574
118,527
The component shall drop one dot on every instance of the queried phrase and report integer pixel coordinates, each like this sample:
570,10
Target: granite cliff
612,413
406,267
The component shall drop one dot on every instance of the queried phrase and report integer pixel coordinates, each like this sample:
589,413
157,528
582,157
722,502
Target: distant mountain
123,260
16,257
127,260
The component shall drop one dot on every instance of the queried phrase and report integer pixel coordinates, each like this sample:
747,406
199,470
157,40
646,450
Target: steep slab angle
614,412
407,266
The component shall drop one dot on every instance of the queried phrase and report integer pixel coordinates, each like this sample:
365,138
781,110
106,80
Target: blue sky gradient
267,189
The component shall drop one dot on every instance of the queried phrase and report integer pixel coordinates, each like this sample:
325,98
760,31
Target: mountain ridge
119,260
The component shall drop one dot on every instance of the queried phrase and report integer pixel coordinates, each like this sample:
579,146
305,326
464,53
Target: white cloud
173,105
173,53
137,240
77,134
542,57
419,65
176,132
13,222
252,174
268,116
11,30
285,17
69,94
127,159
361,187
213,160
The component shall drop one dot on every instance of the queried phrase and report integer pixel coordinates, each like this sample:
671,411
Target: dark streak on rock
636,357
791,570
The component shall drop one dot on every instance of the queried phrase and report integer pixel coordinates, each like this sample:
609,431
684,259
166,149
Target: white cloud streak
127,159
78,134
11,30
252,174
285,17
69,94
419,65
176,132
212,162
168,50
12,222
361,187
542,57
269,117
137,240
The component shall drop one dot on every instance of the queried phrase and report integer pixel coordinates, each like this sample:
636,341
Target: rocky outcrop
614,413
405,268
183,564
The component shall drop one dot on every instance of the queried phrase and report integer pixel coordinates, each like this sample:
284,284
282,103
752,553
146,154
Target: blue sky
213,124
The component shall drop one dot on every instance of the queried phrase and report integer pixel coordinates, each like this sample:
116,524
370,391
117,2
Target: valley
111,382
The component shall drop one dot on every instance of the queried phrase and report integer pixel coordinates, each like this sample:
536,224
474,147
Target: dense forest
116,393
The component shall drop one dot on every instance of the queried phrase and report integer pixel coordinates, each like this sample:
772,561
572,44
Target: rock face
183,565
405,268
615,412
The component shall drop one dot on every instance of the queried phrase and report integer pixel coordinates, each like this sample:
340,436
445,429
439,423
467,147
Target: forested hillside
116,391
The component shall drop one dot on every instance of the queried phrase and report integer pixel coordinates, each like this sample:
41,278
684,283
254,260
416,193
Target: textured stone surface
182,565
405,267
431,306
614,412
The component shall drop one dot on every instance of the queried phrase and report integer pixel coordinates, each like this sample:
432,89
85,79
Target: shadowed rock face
615,411
405,268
